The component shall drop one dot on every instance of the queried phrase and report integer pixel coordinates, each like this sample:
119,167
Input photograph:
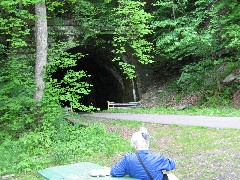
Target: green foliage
205,74
16,71
225,18
94,18
196,75
12,24
61,143
73,87
128,22
17,107
132,26
16,110
196,29
217,98
178,32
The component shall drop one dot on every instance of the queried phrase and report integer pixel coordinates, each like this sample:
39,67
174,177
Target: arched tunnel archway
109,83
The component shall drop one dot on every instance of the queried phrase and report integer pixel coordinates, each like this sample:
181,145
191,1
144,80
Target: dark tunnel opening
108,82
105,84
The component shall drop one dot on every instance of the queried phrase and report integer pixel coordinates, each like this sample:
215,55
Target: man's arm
119,169
166,163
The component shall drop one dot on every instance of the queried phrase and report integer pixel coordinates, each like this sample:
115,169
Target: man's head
140,139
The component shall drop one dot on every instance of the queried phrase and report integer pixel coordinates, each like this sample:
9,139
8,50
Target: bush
62,143
217,98
196,76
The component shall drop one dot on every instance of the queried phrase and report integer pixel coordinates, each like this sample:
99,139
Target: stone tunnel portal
109,83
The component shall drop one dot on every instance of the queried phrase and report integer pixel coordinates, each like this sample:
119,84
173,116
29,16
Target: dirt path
206,121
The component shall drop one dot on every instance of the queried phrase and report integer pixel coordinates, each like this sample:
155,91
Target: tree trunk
41,49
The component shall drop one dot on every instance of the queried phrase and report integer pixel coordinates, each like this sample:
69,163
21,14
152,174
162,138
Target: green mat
75,171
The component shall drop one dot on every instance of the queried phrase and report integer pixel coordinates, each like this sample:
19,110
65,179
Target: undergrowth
66,144
206,84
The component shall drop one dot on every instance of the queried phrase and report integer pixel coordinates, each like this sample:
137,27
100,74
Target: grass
199,152
230,112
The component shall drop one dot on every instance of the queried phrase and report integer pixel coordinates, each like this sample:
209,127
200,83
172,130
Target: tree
16,70
41,49
132,27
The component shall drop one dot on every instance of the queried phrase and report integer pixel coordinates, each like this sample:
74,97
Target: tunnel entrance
109,83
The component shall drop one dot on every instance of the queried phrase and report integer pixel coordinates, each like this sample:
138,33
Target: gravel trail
186,120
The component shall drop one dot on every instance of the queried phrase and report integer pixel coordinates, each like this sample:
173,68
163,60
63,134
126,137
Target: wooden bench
112,105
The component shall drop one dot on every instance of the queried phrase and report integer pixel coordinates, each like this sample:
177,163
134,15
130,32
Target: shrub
62,143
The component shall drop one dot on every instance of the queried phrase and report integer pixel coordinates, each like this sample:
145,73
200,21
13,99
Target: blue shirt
131,166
